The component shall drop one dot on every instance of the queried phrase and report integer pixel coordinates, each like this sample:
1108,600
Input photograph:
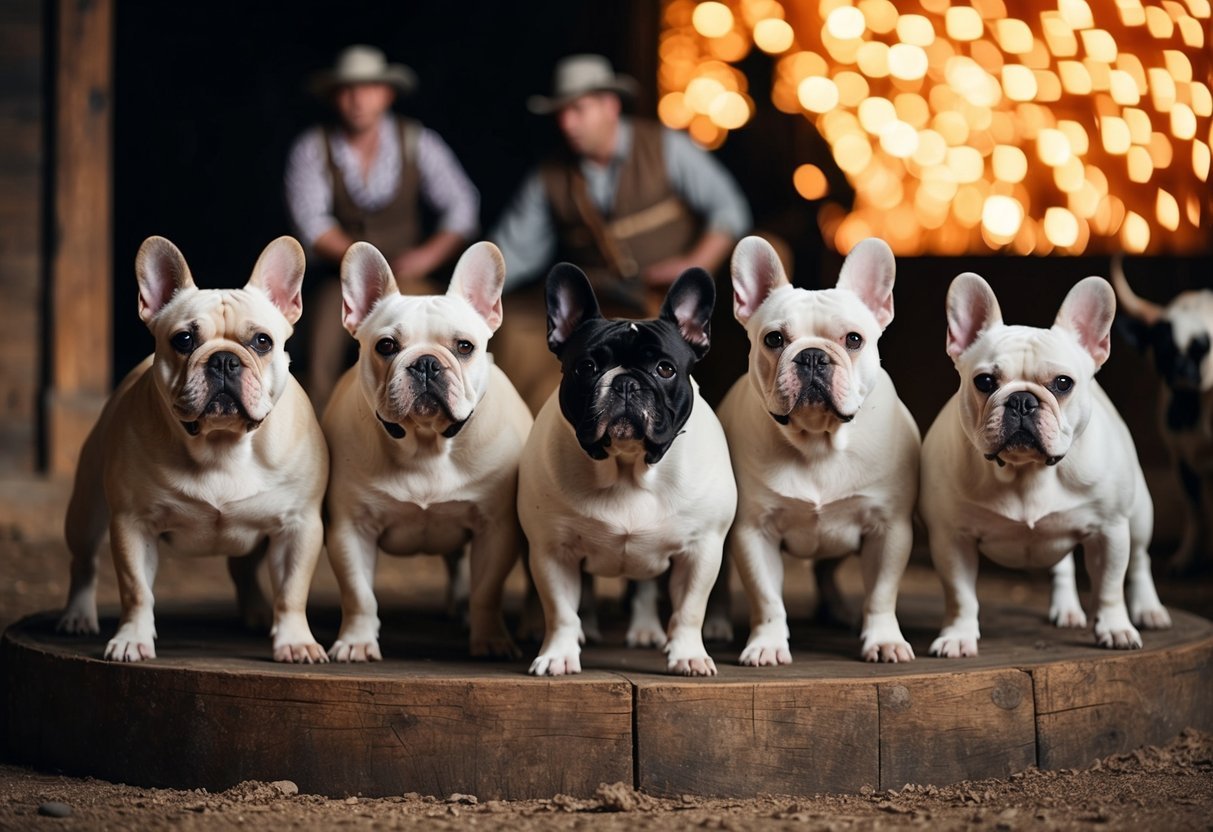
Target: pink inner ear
279,273
1088,311
972,308
691,328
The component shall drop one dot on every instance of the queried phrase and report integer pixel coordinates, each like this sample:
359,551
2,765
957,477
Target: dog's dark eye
585,368
854,341
387,346
262,343
774,340
464,347
665,369
985,383
1063,384
183,342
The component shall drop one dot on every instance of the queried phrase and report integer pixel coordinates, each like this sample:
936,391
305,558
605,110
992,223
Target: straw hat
578,75
361,64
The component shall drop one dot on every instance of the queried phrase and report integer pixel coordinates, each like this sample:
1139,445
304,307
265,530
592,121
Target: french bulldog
825,453
208,447
626,472
1179,336
425,432
1030,459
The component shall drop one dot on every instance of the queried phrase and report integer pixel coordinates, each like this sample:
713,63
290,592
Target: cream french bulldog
825,453
425,432
1030,459
209,447
626,472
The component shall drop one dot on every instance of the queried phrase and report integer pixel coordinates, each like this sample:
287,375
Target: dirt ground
1167,788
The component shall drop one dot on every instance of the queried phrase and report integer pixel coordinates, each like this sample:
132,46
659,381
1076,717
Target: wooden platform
214,710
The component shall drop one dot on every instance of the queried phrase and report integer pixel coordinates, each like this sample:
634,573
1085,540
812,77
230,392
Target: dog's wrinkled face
1179,336
422,359
813,355
626,385
1026,392
221,361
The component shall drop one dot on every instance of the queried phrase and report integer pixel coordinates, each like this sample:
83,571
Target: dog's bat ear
570,301
688,305
1087,312
279,273
756,271
868,271
161,270
479,277
972,309
366,278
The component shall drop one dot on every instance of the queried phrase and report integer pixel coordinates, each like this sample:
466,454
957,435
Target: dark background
209,97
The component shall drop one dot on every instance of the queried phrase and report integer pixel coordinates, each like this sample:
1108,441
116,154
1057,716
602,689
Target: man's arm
712,193
309,199
446,187
525,234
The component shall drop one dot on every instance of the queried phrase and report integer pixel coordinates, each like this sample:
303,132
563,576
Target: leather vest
396,227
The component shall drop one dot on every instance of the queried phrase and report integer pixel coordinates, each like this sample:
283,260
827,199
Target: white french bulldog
1179,336
626,472
1030,459
825,453
209,447
425,432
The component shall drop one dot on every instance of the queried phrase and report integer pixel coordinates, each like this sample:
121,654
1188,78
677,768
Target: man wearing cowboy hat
364,179
632,203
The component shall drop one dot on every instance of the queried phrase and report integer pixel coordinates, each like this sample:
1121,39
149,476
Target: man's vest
396,227
648,221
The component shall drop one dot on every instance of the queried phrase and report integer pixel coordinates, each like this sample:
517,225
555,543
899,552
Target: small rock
55,809
286,787
469,799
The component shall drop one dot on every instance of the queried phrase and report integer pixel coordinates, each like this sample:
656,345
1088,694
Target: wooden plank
740,740
82,259
959,726
373,730
1091,709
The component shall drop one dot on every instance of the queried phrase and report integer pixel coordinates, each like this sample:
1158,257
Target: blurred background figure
367,177
632,203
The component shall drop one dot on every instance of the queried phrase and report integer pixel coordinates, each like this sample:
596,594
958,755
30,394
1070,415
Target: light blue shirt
526,233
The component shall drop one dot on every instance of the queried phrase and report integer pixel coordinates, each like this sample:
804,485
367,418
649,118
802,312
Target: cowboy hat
578,75
360,64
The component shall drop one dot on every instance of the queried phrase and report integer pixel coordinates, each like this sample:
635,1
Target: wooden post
81,240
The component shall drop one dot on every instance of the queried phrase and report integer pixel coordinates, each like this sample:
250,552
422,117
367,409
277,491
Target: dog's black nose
1022,403
812,358
625,385
425,368
223,363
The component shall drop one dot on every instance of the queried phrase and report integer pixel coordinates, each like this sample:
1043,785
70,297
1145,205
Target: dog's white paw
888,651
551,664
686,656
131,644
79,619
1150,617
646,633
766,647
956,641
354,651
307,652
1068,616
1114,630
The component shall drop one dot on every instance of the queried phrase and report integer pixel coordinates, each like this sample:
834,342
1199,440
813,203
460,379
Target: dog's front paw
686,656
1150,617
956,641
1067,614
552,664
1114,630
131,644
646,633
354,651
308,652
768,646
78,619
882,640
